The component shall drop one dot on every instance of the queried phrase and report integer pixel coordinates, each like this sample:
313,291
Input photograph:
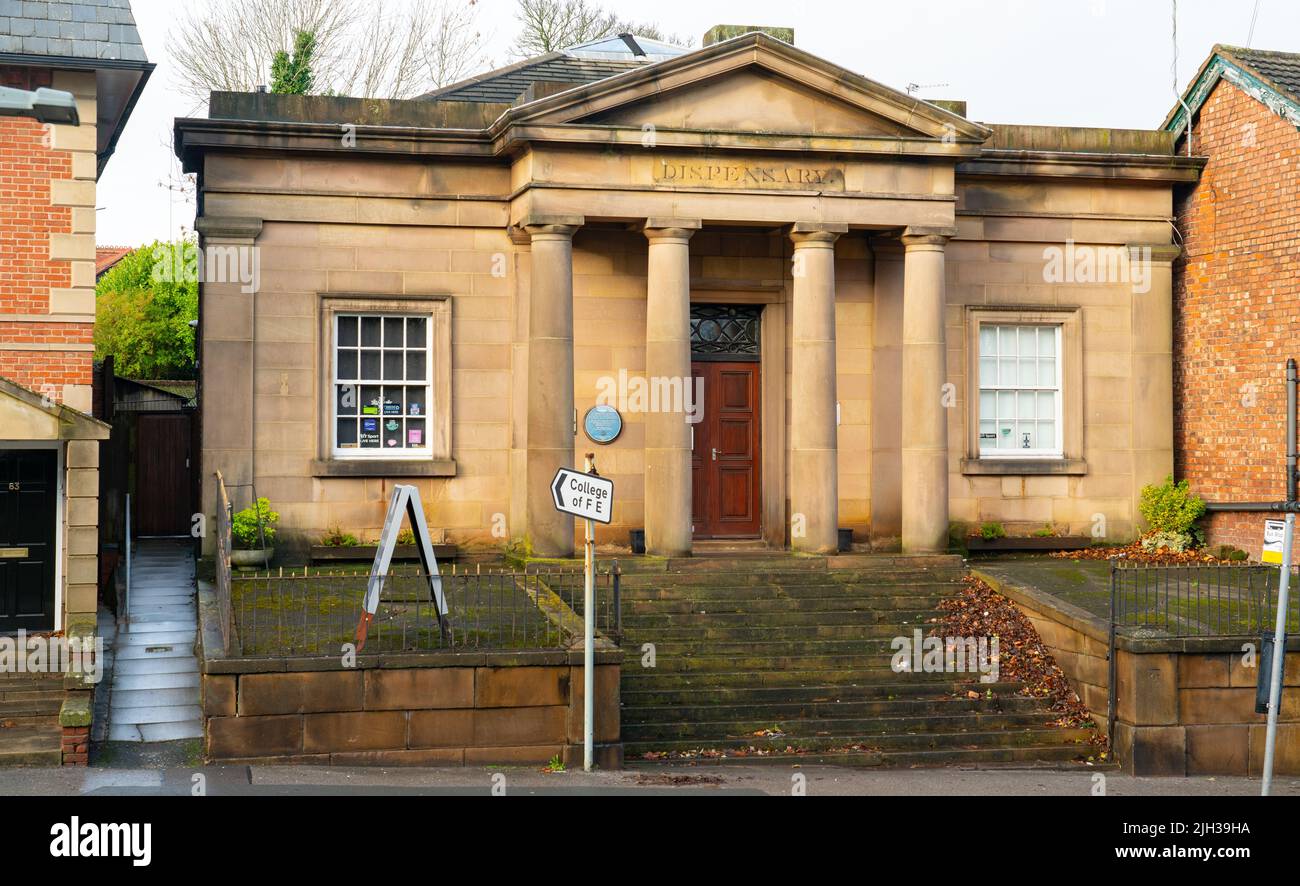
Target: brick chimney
719,33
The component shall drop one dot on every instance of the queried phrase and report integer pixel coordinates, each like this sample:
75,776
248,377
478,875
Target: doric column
814,487
550,380
925,421
668,360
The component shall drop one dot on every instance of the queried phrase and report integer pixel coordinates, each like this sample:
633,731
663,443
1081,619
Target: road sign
583,495
1274,533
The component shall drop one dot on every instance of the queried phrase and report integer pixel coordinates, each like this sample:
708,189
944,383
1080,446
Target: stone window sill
379,467
1023,467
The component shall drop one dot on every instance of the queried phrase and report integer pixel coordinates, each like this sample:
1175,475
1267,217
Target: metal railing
1195,600
305,613
225,613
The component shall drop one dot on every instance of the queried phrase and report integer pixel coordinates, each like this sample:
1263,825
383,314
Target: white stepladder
406,499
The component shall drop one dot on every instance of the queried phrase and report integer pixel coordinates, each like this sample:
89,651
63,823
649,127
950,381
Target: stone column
814,486
925,421
668,358
550,381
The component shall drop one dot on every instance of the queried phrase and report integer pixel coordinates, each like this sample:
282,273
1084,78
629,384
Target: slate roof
90,29
1279,69
585,63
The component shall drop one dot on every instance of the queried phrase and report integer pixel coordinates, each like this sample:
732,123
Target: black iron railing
1197,600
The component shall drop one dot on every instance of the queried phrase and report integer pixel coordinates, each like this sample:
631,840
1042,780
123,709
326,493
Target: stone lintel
657,226
548,223
927,235
817,232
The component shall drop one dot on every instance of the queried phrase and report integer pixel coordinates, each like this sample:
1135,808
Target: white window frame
404,453
1057,452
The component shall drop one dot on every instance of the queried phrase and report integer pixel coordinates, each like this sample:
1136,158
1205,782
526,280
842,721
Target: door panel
726,460
163,475
28,512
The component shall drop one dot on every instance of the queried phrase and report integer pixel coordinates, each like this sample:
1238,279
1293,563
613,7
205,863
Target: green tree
143,307
292,74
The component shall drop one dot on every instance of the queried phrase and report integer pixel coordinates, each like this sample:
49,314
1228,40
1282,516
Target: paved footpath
155,686
522,781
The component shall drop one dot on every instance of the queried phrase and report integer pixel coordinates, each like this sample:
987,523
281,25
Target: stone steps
30,741
804,648
1053,757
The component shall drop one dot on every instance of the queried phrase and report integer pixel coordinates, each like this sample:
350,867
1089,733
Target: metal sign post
1279,655
591,498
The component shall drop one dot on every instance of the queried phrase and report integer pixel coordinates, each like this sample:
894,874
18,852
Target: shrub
1171,507
406,537
990,531
244,526
337,538
1168,541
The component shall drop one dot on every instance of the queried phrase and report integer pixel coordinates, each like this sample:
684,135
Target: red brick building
1237,284
49,445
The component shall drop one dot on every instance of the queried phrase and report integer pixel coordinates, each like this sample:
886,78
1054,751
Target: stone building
1236,289
899,318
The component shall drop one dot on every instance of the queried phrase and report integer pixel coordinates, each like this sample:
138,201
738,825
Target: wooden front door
162,500
726,461
29,493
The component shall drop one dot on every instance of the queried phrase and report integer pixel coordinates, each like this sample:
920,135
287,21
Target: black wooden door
28,513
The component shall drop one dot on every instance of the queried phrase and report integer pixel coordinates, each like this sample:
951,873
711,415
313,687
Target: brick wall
1235,302
46,318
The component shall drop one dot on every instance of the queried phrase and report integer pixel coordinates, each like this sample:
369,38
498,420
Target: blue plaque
603,424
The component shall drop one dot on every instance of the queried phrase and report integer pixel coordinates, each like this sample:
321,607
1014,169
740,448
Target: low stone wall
419,709
432,709
1185,706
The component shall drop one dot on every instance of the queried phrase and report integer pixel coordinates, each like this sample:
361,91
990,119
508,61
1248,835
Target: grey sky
1072,62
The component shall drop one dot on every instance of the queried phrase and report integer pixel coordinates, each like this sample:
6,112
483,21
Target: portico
855,279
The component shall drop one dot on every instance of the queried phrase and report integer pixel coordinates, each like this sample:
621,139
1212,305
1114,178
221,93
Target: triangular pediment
752,84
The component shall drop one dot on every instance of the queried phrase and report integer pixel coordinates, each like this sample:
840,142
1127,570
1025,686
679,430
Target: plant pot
846,541
255,559
636,537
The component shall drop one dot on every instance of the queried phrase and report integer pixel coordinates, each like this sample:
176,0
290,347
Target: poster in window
369,432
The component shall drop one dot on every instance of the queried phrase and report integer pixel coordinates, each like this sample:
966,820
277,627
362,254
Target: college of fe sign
583,495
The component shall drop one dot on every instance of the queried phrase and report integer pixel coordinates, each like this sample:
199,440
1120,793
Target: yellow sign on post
1274,535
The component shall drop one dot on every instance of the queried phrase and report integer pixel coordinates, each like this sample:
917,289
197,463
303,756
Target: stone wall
1185,706
434,709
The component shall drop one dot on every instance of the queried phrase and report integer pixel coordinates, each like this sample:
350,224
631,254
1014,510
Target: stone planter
354,553
1031,543
251,559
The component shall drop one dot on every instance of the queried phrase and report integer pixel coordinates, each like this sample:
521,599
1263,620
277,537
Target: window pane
1047,341
1047,373
347,364
347,433
370,435
1025,409
345,400
415,332
370,332
1028,373
415,404
415,366
347,332
392,365
392,433
393,401
1006,404
371,398
1047,405
1047,435
415,433
988,341
1007,371
988,372
1025,435
1006,340
988,434
393,332
370,365
988,405
1006,435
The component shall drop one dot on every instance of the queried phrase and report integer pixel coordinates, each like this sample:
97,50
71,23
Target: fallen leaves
978,611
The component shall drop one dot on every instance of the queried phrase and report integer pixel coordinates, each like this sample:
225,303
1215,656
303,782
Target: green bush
244,526
337,538
1177,542
1171,507
990,531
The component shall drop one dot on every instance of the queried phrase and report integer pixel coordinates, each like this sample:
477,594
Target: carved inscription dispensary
720,174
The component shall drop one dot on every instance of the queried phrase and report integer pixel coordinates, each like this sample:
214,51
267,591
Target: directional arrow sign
583,495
